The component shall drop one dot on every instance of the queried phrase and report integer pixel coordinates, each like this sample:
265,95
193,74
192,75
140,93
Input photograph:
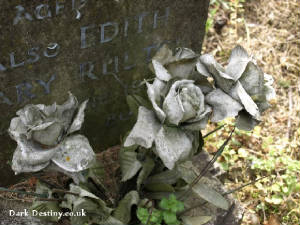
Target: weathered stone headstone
95,49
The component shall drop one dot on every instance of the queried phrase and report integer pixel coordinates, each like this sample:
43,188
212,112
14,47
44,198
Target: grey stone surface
95,49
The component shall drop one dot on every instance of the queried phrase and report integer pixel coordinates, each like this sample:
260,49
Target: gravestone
95,49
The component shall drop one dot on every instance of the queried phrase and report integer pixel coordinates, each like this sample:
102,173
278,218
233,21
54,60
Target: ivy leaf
123,211
170,218
171,204
142,214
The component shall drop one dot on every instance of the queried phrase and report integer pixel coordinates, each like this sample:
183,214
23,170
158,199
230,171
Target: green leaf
156,216
123,211
170,218
142,214
171,204
129,164
197,220
148,166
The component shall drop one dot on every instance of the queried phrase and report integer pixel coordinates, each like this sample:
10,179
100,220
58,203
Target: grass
269,30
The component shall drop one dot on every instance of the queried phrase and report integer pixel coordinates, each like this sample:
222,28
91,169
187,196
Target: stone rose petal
172,104
223,105
16,128
30,115
237,63
252,79
172,145
199,122
239,93
75,154
50,135
154,93
79,118
21,164
145,129
160,71
222,80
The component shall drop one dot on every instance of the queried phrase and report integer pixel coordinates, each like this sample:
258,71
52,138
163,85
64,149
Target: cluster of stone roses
183,100
188,90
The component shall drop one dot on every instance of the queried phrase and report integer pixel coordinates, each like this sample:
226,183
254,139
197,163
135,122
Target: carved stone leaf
82,192
154,91
196,220
75,154
238,61
129,164
189,172
223,105
123,211
167,177
147,167
172,145
209,194
79,118
239,93
96,213
144,130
